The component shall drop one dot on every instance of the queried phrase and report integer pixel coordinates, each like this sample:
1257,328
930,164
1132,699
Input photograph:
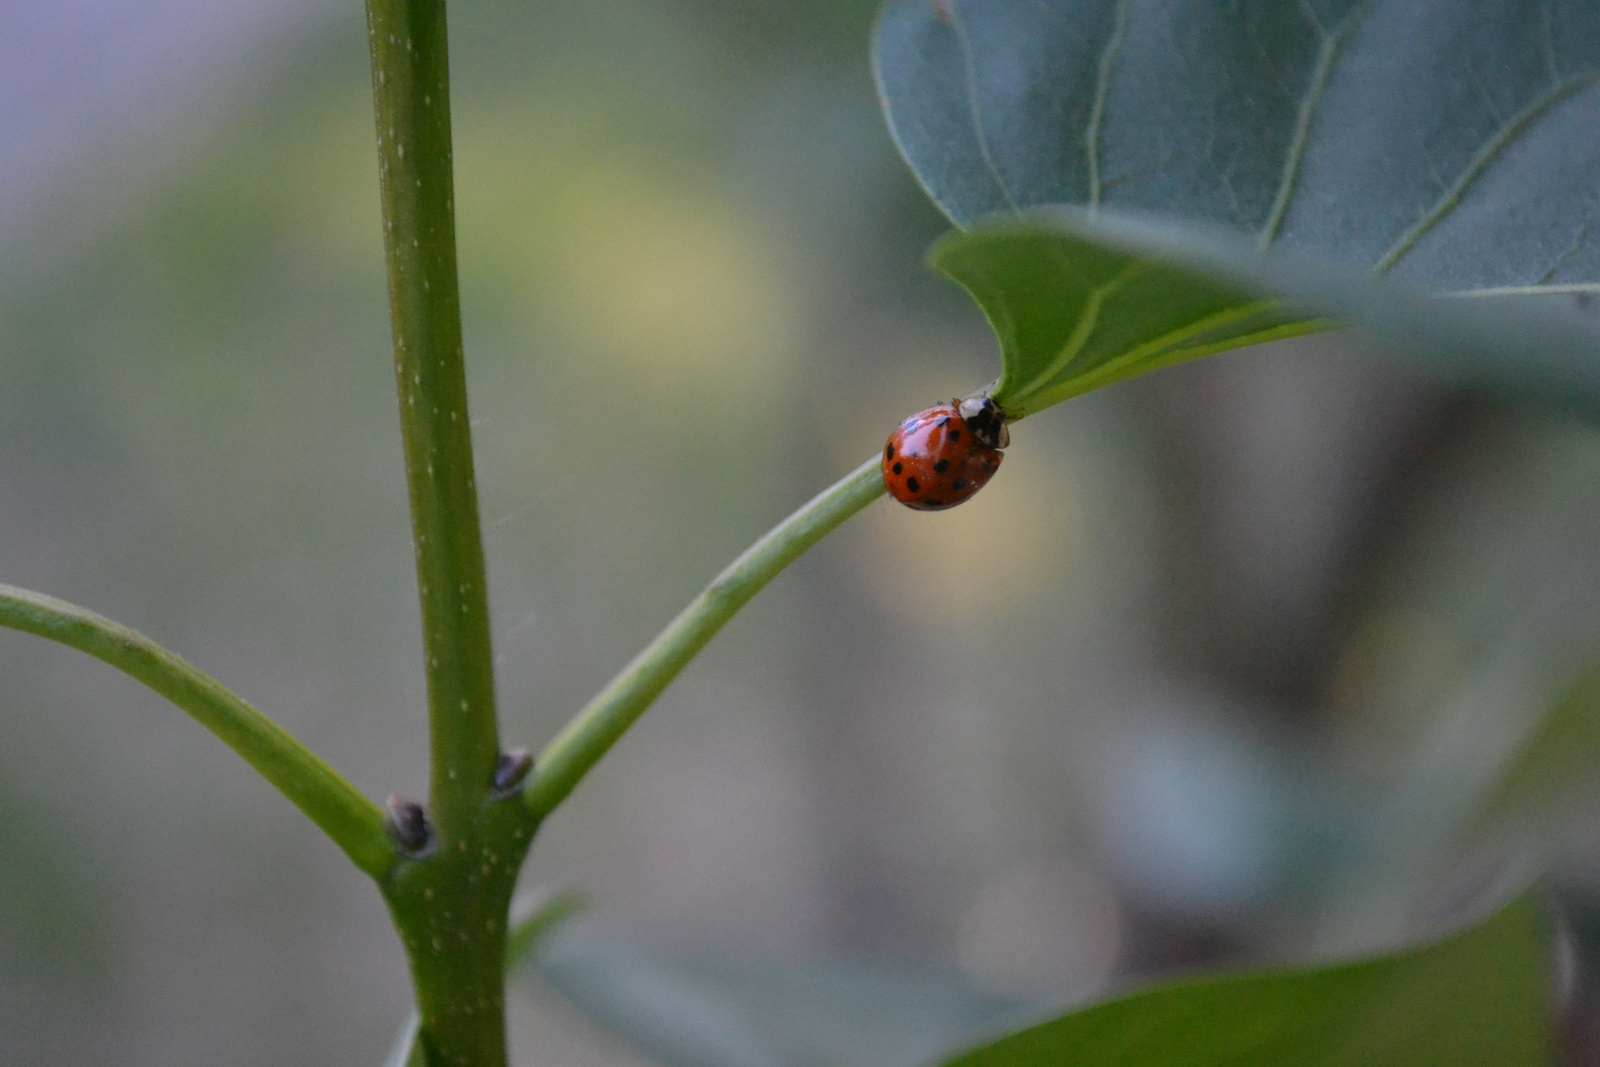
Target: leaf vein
1174,338
1579,288
1490,151
971,79
1579,239
1102,89
1084,329
1152,357
1327,53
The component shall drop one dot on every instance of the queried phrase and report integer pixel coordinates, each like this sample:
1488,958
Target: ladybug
939,457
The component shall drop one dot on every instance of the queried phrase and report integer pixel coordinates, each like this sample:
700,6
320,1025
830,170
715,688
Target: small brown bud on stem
408,825
510,769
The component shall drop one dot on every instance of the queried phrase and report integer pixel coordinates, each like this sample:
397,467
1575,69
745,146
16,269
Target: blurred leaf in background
1479,997
765,1013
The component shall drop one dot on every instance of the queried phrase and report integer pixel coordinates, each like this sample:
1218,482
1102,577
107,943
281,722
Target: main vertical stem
410,75
449,903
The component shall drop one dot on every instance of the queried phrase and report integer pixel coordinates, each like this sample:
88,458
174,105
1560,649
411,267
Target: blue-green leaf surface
690,1012
1450,144
1480,998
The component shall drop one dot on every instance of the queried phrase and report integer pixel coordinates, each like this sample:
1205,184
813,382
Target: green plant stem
450,902
592,732
353,822
531,921
411,96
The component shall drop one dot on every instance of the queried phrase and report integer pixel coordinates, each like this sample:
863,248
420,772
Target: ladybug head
986,421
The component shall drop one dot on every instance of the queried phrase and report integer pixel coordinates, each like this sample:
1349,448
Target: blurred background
1243,661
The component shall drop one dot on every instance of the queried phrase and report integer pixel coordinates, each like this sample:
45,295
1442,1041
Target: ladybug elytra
939,457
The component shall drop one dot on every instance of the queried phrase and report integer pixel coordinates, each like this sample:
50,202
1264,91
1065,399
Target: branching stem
449,902
593,731
353,822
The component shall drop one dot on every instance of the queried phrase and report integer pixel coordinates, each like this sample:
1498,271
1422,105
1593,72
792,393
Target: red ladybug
941,456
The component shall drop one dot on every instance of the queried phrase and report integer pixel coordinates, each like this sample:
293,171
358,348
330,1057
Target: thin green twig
353,822
593,731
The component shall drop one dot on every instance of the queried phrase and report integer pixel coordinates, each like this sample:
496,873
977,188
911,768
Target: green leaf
698,1013
1480,997
1449,144
1073,314
1079,301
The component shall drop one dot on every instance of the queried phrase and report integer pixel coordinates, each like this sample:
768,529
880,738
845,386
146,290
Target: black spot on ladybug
955,435
888,451
941,466
911,484
959,483
898,468
932,503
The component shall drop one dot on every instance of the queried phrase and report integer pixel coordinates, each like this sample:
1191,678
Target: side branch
593,731
353,822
